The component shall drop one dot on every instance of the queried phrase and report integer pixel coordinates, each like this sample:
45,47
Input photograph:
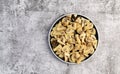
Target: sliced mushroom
77,39
73,57
88,25
95,43
78,20
91,31
80,59
77,55
82,36
59,47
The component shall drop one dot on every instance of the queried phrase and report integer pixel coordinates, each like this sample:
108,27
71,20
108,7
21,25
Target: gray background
24,26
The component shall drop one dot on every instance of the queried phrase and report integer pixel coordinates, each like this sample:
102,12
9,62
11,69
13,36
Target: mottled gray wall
24,26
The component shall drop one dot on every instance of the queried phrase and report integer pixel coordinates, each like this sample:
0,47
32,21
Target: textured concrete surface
24,26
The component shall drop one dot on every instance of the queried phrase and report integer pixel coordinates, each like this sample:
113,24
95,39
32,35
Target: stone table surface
24,26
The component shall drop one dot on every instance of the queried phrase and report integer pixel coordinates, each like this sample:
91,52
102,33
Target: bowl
53,25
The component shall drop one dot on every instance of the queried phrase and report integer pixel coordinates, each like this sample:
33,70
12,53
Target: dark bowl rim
54,23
